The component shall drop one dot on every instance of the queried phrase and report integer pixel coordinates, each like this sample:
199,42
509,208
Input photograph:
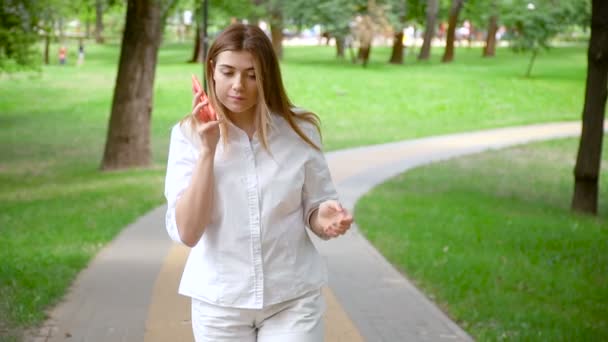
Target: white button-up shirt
255,251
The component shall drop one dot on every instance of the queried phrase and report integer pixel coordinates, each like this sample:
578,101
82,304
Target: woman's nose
238,83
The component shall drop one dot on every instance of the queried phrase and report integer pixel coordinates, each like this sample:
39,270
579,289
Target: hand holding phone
207,113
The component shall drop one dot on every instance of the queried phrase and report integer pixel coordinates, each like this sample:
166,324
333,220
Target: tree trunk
429,32
366,37
397,54
197,53
448,55
99,21
276,29
589,155
364,52
490,49
531,63
88,23
340,40
276,33
47,47
128,140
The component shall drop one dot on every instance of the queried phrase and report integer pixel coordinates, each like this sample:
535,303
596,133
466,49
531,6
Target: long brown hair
271,92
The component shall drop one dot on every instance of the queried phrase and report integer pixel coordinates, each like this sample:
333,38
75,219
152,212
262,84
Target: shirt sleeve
318,185
180,166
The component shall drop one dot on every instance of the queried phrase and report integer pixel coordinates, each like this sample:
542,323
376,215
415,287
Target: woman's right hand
209,132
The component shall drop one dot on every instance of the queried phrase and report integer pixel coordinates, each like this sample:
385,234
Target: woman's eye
227,73
252,77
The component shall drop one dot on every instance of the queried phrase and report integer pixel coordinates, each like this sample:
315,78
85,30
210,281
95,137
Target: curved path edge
112,298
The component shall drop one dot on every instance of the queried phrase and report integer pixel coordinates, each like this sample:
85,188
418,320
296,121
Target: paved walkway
128,292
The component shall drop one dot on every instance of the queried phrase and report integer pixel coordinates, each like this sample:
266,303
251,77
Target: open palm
333,219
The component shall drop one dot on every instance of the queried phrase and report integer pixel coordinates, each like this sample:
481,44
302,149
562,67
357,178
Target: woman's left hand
332,219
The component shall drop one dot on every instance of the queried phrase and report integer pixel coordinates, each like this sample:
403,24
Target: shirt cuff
171,224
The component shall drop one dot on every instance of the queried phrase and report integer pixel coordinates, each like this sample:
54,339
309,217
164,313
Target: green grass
490,237
388,102
57,210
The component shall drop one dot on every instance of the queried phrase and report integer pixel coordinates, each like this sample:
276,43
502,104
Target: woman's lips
236,98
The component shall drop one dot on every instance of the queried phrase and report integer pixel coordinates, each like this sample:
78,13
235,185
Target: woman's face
235,84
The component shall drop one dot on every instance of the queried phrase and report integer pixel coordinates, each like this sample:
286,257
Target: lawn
491,239
57,210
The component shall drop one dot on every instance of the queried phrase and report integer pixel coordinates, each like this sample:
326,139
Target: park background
491,238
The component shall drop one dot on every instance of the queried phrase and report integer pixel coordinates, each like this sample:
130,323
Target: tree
18,26
365,35
485,13
223,12
534,24
128,139
432,7
587,167
448,55
489,49
275,12
197,52
276,27
335,16
397,15
99,6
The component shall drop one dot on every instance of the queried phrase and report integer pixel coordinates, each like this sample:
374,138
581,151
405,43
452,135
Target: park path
128,291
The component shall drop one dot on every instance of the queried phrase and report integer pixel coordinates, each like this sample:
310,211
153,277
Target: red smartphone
207,113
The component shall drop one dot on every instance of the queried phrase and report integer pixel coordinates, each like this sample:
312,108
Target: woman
241,191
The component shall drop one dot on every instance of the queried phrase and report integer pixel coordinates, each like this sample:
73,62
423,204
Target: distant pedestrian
63,51
80,54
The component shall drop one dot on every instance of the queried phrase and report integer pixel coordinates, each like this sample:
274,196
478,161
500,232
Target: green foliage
479,11
18,35
534,23
334,15
416,11
220,12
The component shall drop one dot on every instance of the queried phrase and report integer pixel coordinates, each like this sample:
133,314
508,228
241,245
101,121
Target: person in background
80,53
63,51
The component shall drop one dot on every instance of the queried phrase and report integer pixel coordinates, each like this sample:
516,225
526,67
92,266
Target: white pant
296,320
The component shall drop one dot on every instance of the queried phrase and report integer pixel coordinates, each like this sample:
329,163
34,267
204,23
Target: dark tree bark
99,21
365,36
448,55
47,47
587,169
364,52
128,140
531,62
197,53
432,7
398,48
340,41
276,31
490,49
397,54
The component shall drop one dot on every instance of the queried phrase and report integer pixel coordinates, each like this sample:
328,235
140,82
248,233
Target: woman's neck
245,121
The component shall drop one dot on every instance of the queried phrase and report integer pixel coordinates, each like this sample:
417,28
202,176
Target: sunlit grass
57,209
491,238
